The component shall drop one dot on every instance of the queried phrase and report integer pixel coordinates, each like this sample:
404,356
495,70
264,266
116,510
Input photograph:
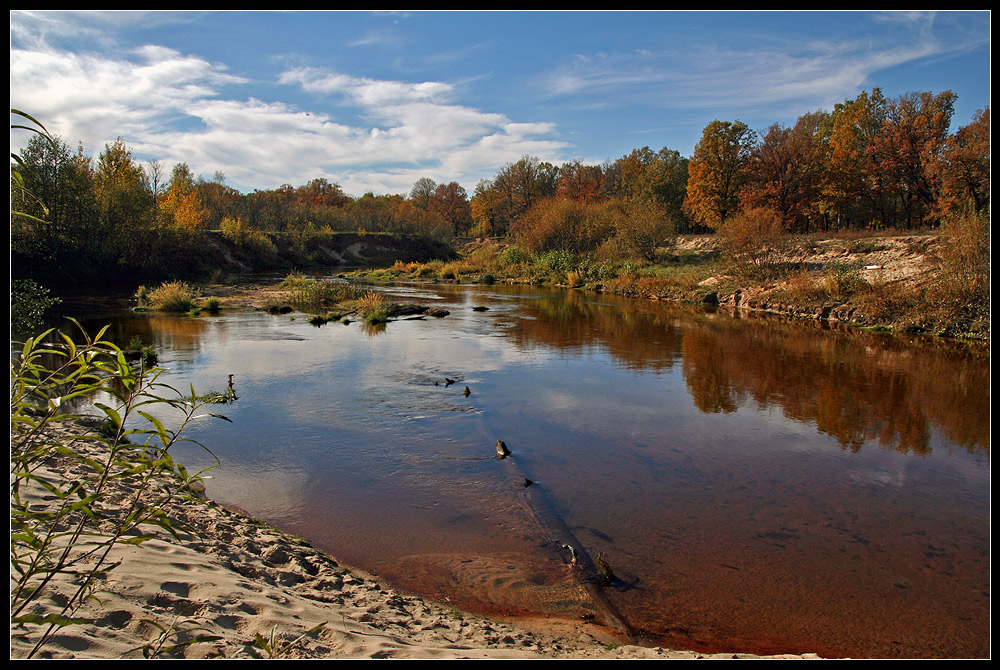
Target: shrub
254,243
65,515
754,243
373,308
638,228
173,296
964,283
512,256
559,224
843,280
28,304
559,261
314,292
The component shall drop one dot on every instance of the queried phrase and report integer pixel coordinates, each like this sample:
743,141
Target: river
756,484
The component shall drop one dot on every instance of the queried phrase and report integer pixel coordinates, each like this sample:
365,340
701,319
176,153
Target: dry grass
171,297
373,308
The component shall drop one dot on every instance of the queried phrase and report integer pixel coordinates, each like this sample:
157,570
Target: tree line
870,163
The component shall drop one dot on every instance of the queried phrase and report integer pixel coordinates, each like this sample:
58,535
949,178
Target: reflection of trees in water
856,387
637,338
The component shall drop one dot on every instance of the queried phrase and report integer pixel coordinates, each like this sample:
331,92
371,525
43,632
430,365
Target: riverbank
247,590
906,283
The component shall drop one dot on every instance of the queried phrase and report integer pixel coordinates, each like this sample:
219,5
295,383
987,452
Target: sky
376,100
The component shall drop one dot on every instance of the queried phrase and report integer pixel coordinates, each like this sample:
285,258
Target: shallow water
757,484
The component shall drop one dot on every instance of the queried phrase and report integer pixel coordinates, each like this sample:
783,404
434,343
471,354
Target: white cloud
180,108
800,73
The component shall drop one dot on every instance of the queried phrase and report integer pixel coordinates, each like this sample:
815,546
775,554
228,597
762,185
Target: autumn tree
179,206
577,181
524,183
785,173
488,209
644,175
450,202
856,191
718,171
964,168
623,176
219,201
910,146
270,210
320,193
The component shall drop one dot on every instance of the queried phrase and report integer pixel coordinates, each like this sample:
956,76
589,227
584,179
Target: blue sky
376,100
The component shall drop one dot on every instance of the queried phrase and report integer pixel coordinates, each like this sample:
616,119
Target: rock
406,309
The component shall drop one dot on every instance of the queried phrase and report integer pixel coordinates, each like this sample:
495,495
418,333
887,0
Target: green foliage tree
125,205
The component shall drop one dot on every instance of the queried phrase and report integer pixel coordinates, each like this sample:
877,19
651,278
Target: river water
756,484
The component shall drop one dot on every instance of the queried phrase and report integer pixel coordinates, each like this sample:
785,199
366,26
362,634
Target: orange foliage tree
718,171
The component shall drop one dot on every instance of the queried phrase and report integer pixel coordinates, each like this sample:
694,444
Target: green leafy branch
75,492
17,165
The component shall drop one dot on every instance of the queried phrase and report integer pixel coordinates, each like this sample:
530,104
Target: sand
235,578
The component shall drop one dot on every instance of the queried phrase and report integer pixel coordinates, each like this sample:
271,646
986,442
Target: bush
620,228
843,280
754,243
559,224
556,262
306,291
66,517
373,308
964,283
173,296
512,256
257,246
28,304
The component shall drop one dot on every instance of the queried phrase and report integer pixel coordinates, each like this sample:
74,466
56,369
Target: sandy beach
234,578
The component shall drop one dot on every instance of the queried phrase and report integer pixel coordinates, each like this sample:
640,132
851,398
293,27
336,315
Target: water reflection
857,386
726,466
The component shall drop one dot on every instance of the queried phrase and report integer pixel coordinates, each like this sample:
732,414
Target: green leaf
48,619
111,413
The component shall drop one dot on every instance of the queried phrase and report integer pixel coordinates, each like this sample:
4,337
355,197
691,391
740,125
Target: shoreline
234,578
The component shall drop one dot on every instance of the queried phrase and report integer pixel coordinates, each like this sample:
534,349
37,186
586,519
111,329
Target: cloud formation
353,109
181,108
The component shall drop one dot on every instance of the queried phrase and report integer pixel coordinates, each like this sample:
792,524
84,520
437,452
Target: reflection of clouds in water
879,476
